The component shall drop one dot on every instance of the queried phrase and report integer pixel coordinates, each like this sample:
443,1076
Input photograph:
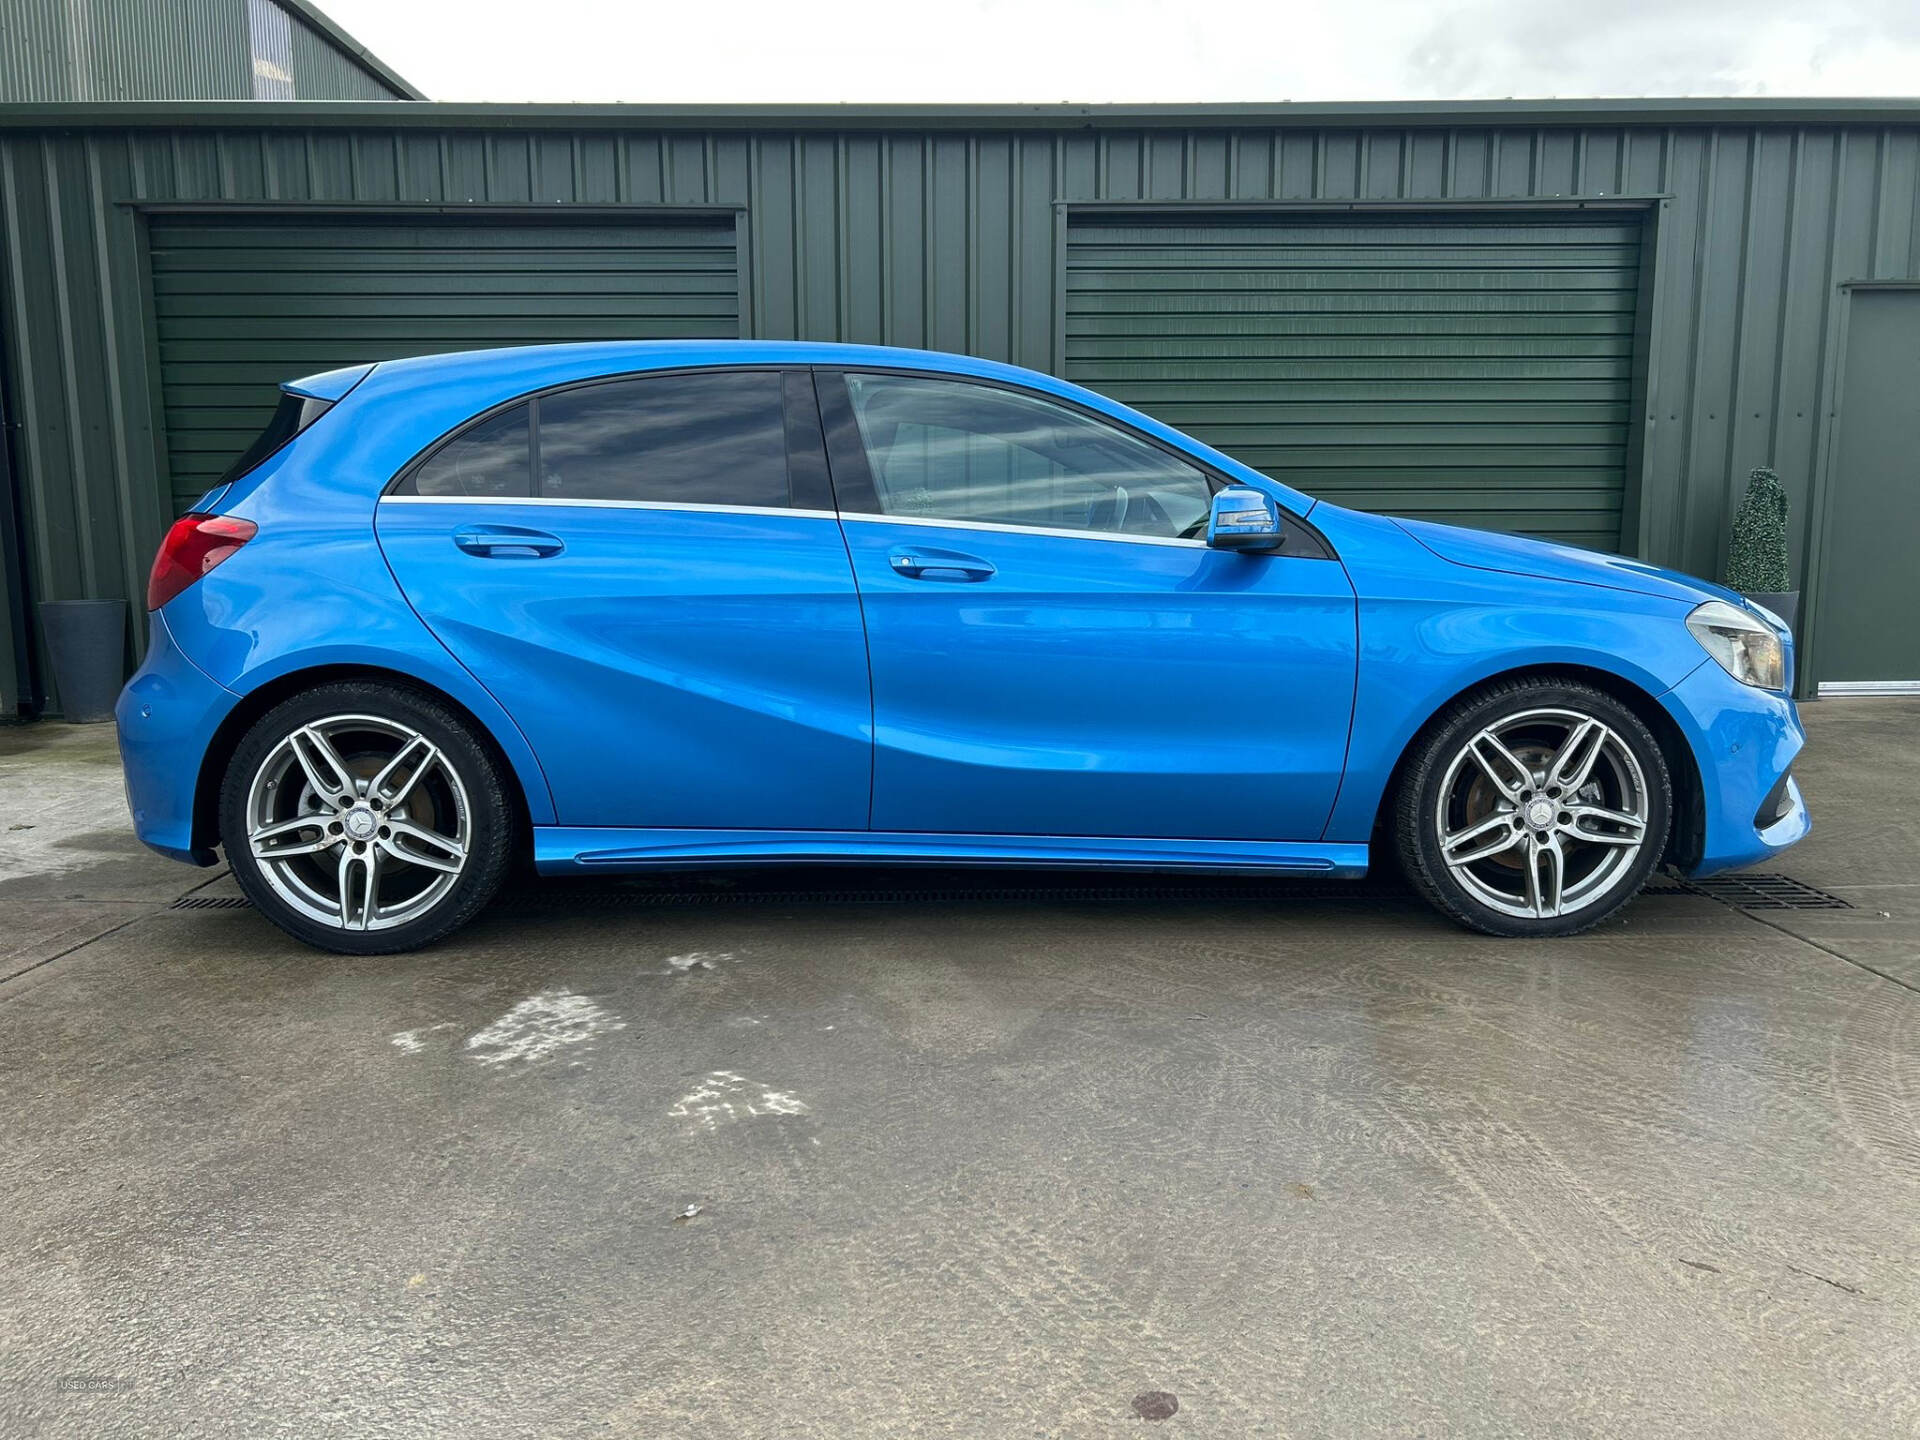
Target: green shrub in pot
1757,556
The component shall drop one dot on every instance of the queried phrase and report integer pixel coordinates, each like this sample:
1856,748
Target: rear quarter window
490,459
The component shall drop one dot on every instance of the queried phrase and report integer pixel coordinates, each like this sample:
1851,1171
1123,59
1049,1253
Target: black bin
86,646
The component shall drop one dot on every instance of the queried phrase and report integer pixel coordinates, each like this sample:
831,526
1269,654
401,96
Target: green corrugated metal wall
158,50
124,50
954,238
242,304
321,72
1468,369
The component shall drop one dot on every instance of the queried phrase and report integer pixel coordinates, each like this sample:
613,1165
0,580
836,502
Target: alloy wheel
359,822
1543,813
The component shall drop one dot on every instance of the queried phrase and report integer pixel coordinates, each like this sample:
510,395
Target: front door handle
921,564
507,542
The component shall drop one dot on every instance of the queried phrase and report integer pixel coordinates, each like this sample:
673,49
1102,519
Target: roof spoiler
329,385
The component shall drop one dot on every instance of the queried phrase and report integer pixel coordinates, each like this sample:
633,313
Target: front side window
953,450
696,439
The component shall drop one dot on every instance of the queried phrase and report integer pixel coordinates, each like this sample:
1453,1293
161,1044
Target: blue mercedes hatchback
650,605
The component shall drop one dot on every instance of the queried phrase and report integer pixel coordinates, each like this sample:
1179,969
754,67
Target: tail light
194,545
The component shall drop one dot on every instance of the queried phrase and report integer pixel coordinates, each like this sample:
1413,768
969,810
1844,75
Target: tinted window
702,439
950,450
293,414
491,458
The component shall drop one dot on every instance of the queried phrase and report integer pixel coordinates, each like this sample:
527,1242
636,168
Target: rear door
1055,649
648,575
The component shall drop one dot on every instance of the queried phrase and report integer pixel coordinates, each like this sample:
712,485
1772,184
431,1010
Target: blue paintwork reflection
1098,687
719,657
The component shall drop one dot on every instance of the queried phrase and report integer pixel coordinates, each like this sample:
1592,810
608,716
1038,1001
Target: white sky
1136,50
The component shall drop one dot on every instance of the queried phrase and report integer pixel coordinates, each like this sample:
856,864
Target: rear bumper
167,716
1745,741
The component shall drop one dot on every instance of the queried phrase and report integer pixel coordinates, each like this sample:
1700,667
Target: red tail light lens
194,545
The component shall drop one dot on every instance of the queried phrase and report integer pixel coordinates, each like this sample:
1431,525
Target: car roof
550,364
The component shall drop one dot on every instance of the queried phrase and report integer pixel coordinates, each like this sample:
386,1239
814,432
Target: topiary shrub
1757,558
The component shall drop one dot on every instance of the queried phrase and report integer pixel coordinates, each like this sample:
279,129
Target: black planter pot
86,647
1784,603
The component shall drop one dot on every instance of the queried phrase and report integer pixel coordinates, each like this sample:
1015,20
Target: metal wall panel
1474,369
952,236
322,72
124,50
241,304
96,50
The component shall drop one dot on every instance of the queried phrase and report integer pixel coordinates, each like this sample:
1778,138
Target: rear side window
492,458
706,438
696,439
293,414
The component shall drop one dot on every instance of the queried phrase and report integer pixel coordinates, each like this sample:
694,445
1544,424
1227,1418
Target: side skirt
560,850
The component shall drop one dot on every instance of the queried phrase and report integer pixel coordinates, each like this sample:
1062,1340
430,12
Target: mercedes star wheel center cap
360,823
1539,814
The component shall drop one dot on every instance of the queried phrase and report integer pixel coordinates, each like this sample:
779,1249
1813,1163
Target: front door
651,581
1055,650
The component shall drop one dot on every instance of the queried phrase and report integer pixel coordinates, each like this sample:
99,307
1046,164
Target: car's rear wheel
365,818
1533,808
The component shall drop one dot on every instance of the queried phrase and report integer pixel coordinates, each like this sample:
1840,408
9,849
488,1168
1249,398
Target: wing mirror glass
1243,518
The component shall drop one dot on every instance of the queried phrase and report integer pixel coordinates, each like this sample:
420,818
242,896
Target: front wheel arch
257,702
1685,839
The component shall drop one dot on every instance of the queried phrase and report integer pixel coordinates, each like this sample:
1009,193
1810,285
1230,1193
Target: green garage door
1464,369
241,305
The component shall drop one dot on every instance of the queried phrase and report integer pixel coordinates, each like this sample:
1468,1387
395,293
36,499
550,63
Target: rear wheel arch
257,702
1686,837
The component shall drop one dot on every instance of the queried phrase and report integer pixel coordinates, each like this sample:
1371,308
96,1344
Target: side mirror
1243,518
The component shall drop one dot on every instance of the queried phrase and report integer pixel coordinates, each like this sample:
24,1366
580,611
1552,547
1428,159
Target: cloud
1646,47
1138,50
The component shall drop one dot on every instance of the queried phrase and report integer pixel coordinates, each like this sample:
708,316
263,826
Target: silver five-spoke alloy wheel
359,822
1542,813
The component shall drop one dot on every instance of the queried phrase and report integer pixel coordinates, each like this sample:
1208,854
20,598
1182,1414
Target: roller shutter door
243,304
1466,369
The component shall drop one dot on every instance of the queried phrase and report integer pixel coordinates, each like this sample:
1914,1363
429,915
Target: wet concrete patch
798,1167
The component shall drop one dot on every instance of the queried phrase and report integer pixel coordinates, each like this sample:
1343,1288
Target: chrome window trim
992,526
603,504
1001,528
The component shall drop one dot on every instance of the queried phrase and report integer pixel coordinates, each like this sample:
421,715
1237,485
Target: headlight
1746,646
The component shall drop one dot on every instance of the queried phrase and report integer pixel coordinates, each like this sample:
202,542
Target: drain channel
1765,892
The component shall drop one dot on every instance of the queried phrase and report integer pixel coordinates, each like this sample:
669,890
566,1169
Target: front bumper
167,716
1745,741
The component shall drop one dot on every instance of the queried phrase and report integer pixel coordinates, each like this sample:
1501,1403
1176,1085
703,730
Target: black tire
462,789
1438,786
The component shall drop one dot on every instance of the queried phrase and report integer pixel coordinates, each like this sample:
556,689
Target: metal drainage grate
211,902
1764,892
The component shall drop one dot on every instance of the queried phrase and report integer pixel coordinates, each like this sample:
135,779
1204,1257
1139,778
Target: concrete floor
1309,1167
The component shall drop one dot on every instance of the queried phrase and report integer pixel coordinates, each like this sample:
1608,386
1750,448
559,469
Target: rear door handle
920,564
507,542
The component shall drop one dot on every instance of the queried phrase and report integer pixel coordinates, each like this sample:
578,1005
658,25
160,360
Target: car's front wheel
1533,808
365,818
